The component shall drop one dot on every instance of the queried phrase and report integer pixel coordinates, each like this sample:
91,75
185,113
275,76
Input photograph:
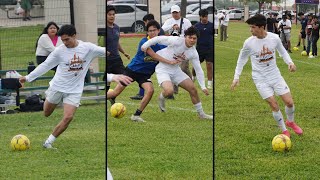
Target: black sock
138,112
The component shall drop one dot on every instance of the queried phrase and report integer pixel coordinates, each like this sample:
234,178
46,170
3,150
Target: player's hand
22,79
108,53
205,91
122,79
235,83
292,67
144,49
127,55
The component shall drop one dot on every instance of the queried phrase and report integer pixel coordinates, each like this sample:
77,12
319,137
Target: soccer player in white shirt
179,48
73,59
261,47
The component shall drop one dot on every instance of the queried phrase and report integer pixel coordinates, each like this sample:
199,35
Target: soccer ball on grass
20,143
118,110
304,53
295,48
281,143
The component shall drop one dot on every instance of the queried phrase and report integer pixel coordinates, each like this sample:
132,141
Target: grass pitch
244,126
171,145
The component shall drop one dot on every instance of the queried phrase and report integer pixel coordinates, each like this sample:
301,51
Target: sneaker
295,127
311,56
136,97
162,105
48,146
209,86
205,116
137,119
171,97
286,132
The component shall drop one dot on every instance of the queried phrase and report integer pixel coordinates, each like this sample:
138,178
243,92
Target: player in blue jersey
140,70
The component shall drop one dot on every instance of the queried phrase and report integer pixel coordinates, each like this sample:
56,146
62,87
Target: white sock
199,109
50,139
279,119
161,96
209,83
290,113
109,176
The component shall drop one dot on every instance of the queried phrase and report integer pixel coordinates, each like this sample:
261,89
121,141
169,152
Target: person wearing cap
176,27
224,25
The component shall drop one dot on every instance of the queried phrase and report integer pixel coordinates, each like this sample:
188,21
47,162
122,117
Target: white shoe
209,86
311,56
215,35
137,118
48,146
162,104
205,116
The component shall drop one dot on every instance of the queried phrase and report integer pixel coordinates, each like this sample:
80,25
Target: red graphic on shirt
76,64
181,56
265,54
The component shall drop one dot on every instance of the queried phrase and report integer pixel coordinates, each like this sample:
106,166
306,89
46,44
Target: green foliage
244,126
81,149
171,145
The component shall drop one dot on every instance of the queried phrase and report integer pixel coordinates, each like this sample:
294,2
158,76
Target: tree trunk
183,8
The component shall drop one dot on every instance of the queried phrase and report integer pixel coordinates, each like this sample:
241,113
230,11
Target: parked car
129,19
235,14
194,17
123,1
167,7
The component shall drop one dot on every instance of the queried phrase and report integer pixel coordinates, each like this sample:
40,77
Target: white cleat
206,116
137,119
162,104
48,146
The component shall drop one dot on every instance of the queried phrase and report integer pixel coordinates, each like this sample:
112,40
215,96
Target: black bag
32,103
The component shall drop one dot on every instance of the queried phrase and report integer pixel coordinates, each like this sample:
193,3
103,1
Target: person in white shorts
182,49
261,47
73,59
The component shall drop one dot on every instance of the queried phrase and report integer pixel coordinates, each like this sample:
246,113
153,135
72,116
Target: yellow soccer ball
310,53
281,143
118,110
304,53
20,143
295,48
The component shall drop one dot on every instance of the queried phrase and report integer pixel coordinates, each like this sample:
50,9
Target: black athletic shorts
139,77
115,66
303,34
205,55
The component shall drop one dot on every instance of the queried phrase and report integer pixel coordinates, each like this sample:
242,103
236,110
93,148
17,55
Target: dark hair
153,23
111,8
45,30
191,31
148,17
203,12
67,29
257,20
314,17
300,14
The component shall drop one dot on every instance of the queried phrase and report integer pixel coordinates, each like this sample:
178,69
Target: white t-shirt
168,24
216,21
286,23
262,53
225,21
73,64
45,45
176,46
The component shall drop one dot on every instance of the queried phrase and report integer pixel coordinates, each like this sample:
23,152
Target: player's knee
67,118
168,92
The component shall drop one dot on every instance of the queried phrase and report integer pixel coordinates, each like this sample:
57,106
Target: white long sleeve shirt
262,53
168,24
176,47
45,45
73,64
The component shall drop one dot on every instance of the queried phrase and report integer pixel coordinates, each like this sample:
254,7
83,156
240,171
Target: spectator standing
271,23
216,24
285,34
302,34
314,36
26,6
224,26
205,44
47,42
308,33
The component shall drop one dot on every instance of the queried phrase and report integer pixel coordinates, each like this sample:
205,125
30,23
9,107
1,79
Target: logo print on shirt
265,55
76,64
181,56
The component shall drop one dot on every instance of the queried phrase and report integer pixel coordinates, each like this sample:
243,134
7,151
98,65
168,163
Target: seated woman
47,42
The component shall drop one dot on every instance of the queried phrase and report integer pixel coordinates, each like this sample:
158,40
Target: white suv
129,18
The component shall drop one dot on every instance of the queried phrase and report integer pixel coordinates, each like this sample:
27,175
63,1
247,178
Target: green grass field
171,145
244,126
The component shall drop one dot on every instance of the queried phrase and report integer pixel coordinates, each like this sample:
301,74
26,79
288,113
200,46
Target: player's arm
164,40
51,62
122,51
159,58
199,73
119,78
286,57
242,60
